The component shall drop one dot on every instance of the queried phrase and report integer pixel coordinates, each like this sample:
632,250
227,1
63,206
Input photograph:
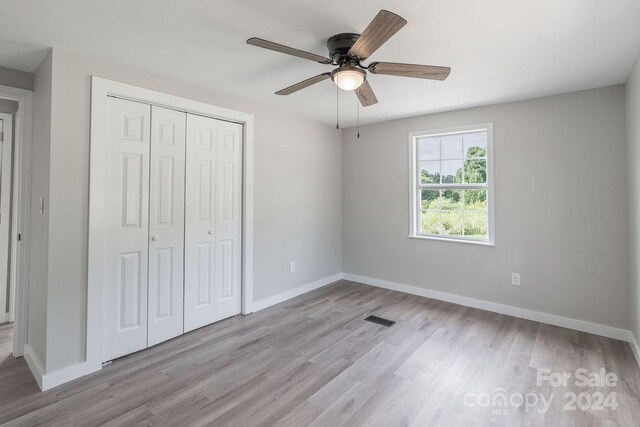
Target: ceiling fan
347,50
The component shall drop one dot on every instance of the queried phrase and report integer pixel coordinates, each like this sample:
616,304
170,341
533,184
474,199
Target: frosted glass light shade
348,78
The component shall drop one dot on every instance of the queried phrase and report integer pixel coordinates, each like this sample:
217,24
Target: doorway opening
7,111
15,151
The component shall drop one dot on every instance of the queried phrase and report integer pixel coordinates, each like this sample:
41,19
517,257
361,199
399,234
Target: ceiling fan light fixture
348,77
348,50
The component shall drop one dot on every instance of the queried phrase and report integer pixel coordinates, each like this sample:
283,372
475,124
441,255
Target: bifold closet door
166,224
212,221
144,227
126,227
228,220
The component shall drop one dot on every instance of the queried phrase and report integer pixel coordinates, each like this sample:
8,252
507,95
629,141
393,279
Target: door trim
20,211
101,89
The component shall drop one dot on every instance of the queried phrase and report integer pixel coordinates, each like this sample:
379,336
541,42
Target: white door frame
101,89
20,212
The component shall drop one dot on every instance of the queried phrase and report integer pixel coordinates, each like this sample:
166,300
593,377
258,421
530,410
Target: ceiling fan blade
305,83
381,29
365,95
410,70
254,41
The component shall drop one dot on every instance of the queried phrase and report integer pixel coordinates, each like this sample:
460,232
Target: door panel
166,224
132,179
130,291
229,219
200,222
127,226
164,286
212,221
226,269
203,274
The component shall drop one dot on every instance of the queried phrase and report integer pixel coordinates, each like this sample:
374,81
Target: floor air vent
380,321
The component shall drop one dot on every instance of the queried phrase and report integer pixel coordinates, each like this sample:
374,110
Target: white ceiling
21,56
499,50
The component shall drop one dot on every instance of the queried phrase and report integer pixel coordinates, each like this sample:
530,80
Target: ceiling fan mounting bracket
339,46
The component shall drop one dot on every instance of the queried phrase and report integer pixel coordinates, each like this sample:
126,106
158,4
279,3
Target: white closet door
126,226
166,224
228,219
212,221
199,251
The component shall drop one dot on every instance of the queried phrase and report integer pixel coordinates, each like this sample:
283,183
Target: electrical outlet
515,279
292,267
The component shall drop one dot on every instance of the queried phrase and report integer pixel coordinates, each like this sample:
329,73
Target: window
452,184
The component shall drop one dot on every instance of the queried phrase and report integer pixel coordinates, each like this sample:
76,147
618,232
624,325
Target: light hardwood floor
313,360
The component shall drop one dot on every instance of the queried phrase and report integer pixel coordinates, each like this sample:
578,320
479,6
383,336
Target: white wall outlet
292,267
515,279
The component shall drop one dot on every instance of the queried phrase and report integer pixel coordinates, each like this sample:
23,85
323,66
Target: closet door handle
210,233
154,238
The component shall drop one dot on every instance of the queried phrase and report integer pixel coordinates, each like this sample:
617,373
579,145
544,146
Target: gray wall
633,158
15,78
39,227
560,199
298,202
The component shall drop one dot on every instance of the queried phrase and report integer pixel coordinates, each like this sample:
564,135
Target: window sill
446,239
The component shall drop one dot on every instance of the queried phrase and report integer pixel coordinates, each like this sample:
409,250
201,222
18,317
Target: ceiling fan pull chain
337,108
358,104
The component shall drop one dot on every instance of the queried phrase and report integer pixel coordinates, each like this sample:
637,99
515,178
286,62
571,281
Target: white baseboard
65,375
551,319
283,296
55,378
34,364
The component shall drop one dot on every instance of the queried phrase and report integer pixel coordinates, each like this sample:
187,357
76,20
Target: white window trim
414,208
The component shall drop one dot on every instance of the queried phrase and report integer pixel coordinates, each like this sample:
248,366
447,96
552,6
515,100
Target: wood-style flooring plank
313,360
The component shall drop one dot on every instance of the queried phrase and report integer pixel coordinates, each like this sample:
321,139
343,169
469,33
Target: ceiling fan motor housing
339,46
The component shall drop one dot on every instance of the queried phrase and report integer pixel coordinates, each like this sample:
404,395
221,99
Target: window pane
430,172
451,171
451,147
475,144
451,200
475,171
430,222
429,148
430,199
475,225
452,223
475,200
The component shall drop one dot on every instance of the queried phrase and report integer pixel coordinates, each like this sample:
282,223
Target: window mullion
453,186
